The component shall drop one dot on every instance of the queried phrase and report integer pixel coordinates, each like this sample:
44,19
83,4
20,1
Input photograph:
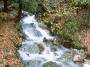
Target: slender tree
5,5
20,9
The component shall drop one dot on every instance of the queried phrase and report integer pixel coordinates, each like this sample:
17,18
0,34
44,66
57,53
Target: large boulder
51,64
78,58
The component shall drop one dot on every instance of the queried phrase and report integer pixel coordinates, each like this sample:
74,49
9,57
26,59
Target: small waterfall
34,52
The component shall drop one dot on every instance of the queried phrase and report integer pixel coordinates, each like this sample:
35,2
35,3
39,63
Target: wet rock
41,48
47,40
51,64
33,49
78,58
54,48
86,63
33,63
68,44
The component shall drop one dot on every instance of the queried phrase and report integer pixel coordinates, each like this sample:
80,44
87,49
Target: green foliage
72,26
69,33
30,5
85,24
80,2
51,64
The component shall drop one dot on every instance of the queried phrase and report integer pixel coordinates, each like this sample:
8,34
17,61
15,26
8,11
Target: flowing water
35,52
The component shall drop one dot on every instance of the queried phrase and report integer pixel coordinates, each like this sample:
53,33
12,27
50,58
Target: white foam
86,65
31,33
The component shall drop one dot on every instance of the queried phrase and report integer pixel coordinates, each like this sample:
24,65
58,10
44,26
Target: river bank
9,39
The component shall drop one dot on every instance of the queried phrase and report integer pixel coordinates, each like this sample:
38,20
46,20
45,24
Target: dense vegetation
66,24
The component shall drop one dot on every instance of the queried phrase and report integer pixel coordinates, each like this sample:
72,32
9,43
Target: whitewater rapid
30,52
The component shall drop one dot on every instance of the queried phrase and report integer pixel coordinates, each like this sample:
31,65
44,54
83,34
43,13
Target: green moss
51,64
80,2
30,5
70,33
41,48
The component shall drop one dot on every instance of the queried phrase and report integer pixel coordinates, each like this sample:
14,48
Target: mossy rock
41,48
33,63
54,47
33,49
51,64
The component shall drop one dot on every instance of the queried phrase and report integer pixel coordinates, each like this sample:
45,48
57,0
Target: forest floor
85,39
83,16
9,39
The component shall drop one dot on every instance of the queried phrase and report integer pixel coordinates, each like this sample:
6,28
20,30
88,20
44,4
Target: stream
35,52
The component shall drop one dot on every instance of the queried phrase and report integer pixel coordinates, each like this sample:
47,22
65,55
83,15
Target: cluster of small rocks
75,55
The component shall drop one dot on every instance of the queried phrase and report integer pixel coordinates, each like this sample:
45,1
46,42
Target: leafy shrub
30,5
68,34
80,2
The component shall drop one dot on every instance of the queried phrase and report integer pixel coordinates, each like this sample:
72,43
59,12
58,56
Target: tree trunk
5,5
20,10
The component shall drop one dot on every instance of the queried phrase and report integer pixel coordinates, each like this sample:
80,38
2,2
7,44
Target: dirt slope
9,38
85,39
